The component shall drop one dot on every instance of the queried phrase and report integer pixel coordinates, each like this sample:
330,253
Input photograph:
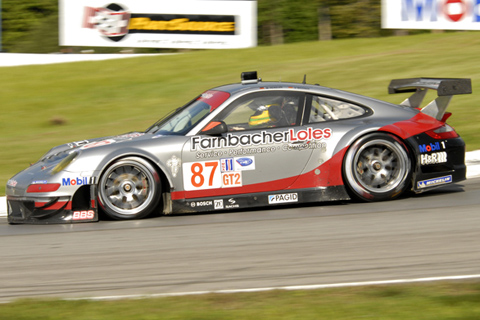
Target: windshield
184,119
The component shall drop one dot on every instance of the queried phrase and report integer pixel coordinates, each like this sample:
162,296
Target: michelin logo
283,198
434,182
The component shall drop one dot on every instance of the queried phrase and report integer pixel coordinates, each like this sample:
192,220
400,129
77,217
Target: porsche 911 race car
251,144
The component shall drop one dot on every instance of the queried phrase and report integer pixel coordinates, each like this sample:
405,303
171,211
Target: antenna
304,79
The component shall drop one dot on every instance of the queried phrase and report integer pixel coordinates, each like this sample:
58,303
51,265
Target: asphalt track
435,234
428,236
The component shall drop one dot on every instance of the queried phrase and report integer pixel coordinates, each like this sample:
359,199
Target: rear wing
445,87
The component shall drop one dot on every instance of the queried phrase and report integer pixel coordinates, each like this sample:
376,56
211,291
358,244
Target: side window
262,110
326,109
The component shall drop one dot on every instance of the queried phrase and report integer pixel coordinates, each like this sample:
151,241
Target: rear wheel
377,167
129,189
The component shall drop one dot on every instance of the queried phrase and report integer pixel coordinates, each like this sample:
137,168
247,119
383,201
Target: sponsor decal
226,164
431,147
434,182
235,152
237,164
232,203
208,175
214,98
431,14
115,22
12,183
258,139
244,163
74,181
206,96
205,203
39,182
431,10
304,146
111,21
434,158
77,144
283,198
83,215
174,164
218,204
98,144
202,175
231,179
210,154
182,24
130,135
159,24
310,134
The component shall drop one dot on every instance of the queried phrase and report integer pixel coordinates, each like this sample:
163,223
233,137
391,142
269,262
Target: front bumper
82,207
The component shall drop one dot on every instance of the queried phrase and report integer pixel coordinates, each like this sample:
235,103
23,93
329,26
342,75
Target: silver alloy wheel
377,167
129,189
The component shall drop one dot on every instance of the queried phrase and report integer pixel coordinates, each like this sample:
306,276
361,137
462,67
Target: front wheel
129,189
377,167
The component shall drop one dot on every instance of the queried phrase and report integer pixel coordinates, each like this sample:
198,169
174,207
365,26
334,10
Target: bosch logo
204,203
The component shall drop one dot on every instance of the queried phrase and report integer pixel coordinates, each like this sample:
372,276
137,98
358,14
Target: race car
251,144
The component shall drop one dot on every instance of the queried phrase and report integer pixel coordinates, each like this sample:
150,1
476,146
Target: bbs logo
83,215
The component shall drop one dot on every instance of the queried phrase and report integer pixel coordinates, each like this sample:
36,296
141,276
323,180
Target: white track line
306,287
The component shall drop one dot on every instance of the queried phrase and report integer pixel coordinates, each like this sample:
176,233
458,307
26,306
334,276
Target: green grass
432,301
100,98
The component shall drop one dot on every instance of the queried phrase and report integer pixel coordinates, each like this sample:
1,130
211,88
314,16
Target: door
263,150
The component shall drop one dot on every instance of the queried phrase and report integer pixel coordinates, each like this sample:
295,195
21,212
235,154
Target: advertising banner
431,14
188,24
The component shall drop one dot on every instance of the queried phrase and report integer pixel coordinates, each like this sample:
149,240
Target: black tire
129,189
377,167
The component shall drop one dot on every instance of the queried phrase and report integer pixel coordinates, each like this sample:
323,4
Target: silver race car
251,144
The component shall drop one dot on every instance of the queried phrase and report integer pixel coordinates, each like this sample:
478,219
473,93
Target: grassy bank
46,105
435,301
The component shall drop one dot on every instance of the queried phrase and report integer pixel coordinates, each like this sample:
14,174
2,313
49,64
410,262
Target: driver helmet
261,116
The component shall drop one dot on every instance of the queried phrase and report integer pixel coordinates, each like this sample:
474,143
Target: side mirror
215,128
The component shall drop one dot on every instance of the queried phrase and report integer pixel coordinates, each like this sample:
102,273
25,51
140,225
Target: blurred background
24,22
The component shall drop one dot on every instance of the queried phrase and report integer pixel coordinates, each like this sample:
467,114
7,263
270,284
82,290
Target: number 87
197,178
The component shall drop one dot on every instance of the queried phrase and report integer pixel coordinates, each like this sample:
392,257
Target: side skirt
264,199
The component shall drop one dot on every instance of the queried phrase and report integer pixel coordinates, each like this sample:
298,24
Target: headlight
64,163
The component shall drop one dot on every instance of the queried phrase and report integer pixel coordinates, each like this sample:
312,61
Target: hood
91,143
